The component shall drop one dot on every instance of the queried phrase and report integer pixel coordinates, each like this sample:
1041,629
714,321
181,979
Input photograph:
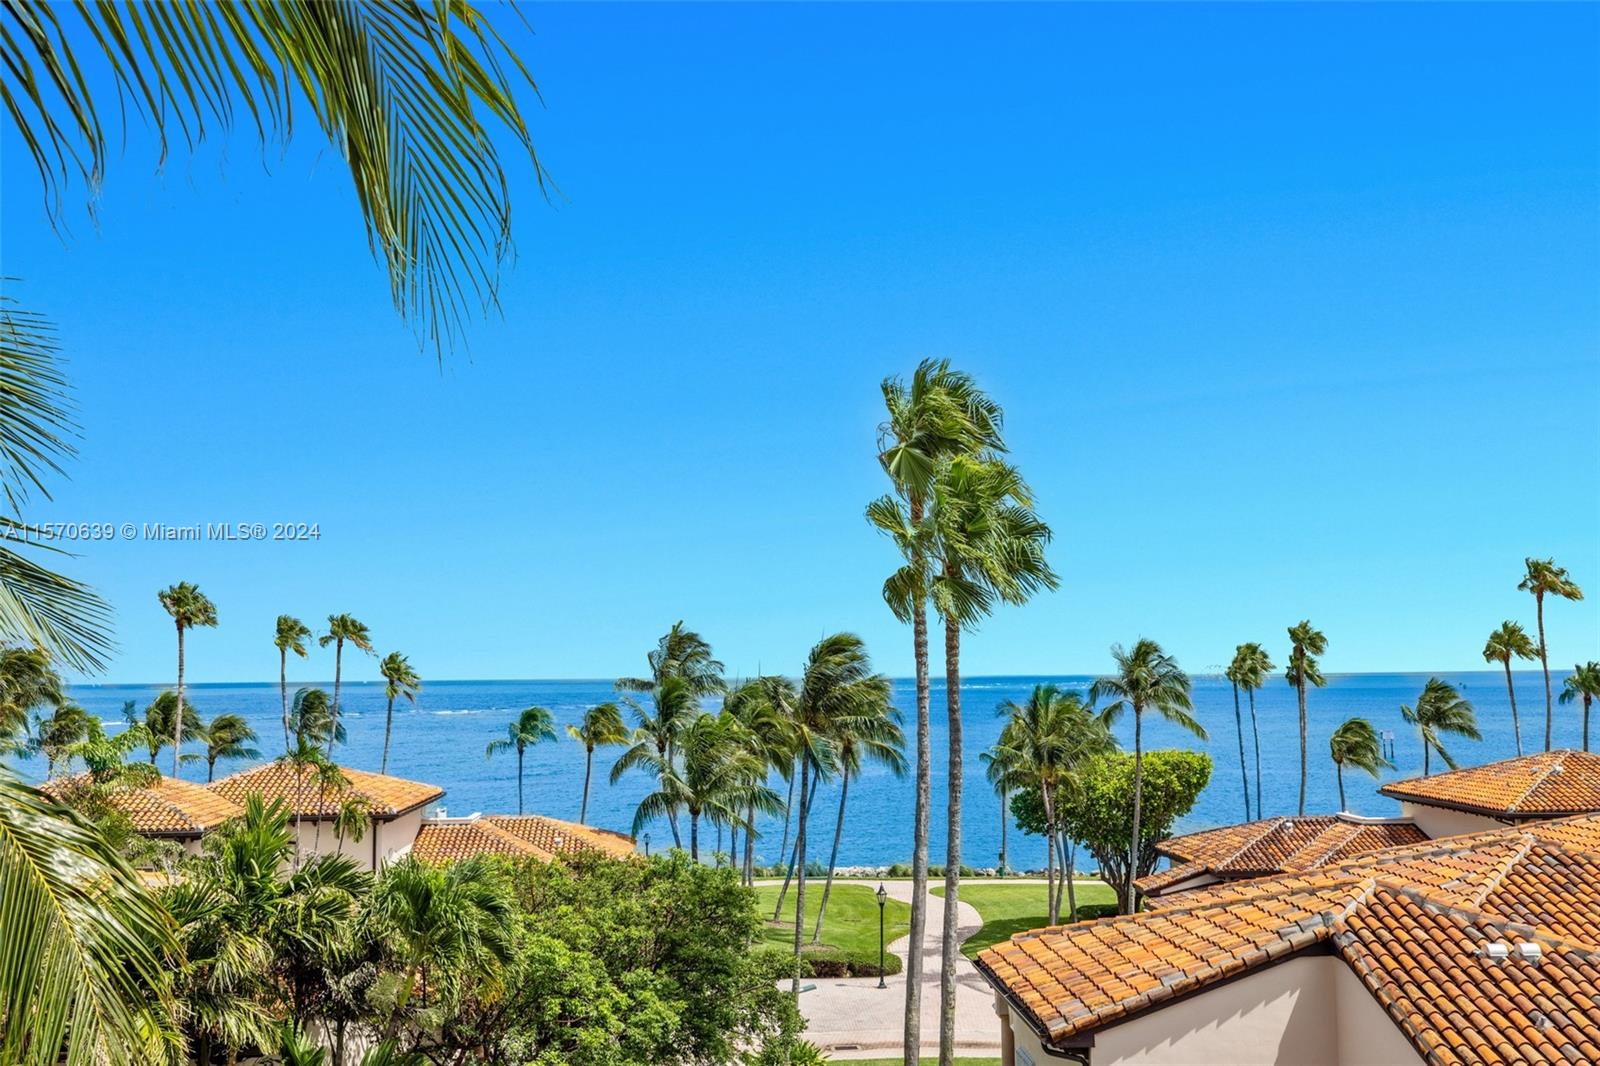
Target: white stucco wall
1309,1011
1438,822
394,839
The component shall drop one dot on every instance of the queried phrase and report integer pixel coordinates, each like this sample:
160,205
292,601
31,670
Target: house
444,839
1549,784
1472,949
1269,846
168,809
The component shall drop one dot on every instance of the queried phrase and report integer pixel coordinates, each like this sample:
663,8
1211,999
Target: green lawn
1008,909
852,924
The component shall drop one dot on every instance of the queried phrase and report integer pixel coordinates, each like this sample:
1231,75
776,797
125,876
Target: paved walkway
851,1017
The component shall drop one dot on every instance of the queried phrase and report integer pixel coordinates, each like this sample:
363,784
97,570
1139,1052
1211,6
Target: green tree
601,727
1146,679
714,774
762,707
85,978
291,636
1102,818
1233,673
1306,643
54,735
1440,710
1544,578
533,725
343,629
158,721
1249,670
400,679
27,681
1584,685
228,736
1509,642
940,413
871,734
188,608
1355,743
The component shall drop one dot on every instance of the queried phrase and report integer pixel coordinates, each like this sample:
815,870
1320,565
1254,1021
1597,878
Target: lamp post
647,845
883,897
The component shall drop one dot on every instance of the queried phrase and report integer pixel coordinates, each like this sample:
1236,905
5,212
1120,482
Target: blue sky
1294,311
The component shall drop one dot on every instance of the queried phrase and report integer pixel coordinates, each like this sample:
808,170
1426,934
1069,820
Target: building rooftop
1414,924
169,807
519,836
1546,785
1275,845
384,796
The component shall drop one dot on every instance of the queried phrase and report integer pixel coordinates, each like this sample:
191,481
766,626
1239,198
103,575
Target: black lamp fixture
883,897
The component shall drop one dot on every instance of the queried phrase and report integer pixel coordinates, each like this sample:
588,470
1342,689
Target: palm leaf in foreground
85,944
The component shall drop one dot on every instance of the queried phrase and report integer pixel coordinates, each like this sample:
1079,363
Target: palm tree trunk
519,779
800,875
338,671
1129,904
750,844
178,719
1338,773
952,852
1511,691
588,769
1255,731
1587,700
694,837
1300,689
388,727
788,873
1052,914
733,844
283,692
912,1040
211,770
1244,772
1003,821
788,810
1544,662
833,860
1425,747
1067,875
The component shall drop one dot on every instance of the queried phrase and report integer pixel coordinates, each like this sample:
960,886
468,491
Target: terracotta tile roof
1275,845
1411,922
528,836
384,796
170,807
1546,785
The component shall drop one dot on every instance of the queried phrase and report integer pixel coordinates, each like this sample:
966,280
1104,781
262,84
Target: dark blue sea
442,741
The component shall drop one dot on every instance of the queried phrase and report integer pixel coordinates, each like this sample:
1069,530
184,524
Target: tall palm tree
1146,679
1355,743
940,413
27,680
228,736
291,636
86,943
399,679
54,735
674,706
1232,673
1508,642
343,629
188,607
1306,643
680,653
713,775
157,720
872,734
1545,578
1440,710
308,763
760,706
350,820
998,767
1583,684
601,727
532,726
1252,666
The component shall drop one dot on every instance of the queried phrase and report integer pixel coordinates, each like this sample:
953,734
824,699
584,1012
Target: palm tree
1545,578
714,775
228,736
532,726
350,820
1306,643
1440,710
399,679
27,680
1251,667
291,636
55,736
872,734
189,608
990,545
307,762
941,413
651,745
158,722
1233,674
86,944
457,915
1146,679
343,629
1508,642
1355,743
1584,684
601,727
683,654
998,768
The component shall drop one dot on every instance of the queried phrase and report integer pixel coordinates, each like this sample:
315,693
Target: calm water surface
442,741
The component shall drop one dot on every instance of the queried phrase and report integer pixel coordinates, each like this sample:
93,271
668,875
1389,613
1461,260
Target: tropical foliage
534,725
1542,577
1355,743
400,680
343,629
1439,712
189,608
290,635
1509,642
1583,686
1306,643
601,727
228,736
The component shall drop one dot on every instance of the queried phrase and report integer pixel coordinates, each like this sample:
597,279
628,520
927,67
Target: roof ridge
1275,824
1493,881
521,845
1554,766
1478,914
1350,832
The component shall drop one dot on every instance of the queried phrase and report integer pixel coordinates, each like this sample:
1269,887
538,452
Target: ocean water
442,740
